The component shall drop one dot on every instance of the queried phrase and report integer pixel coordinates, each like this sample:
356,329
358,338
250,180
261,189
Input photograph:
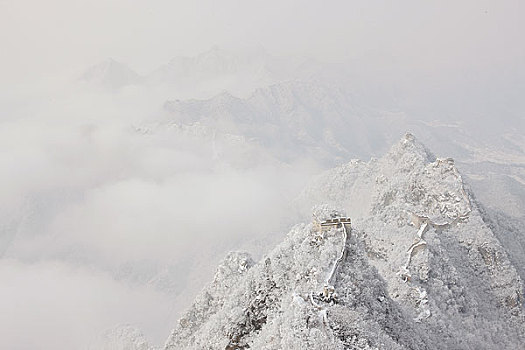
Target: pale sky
43,38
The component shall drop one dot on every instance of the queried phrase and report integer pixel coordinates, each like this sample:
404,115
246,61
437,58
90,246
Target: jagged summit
408,178
420,268
293,120
409,146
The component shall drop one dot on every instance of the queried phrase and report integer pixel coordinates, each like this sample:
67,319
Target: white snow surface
122,337
422,268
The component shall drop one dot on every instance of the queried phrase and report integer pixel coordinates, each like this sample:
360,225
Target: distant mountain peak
410,146
110,74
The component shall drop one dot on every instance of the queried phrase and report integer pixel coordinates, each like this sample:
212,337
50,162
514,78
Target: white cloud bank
51,305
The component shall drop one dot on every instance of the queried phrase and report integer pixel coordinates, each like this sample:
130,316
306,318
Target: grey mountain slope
499,187
510,233
422,269
110,74
291,120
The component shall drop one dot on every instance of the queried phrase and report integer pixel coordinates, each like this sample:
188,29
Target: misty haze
262,175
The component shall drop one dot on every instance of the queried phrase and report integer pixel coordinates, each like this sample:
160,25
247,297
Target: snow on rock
123,337
324,212
290,119
429,239
420,269
278,304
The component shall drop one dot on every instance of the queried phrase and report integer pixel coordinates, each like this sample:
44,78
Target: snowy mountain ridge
289,119
124,337
420,269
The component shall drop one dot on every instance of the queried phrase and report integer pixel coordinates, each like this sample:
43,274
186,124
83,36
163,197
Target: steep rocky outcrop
421,268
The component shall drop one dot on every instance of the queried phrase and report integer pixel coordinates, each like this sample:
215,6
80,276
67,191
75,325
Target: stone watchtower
326,218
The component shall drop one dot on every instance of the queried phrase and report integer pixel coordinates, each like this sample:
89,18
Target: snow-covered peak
408,180
410,148
122,337
421,268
